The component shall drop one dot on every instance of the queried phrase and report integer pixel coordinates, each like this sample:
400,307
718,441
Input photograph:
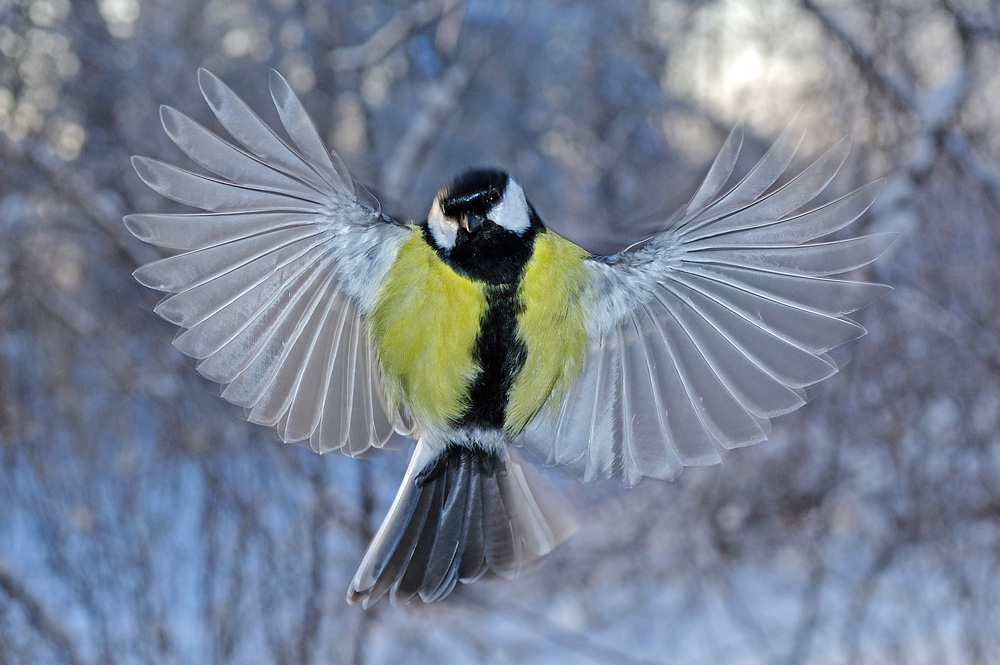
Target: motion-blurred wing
713,327
272,282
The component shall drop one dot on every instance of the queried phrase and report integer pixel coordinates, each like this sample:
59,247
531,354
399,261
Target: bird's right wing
273,280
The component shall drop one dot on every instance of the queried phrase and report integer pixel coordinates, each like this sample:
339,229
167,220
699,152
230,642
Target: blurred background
142,521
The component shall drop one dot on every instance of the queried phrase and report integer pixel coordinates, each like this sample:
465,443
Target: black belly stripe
496,257
500,354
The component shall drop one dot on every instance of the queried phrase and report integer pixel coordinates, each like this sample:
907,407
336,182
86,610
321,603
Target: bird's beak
472,221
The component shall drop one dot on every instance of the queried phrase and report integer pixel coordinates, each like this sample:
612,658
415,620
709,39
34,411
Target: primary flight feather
480,330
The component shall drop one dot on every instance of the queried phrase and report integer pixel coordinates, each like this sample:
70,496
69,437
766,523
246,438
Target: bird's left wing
715,325
272,282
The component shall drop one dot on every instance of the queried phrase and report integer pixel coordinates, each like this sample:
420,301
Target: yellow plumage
424,323
551,326
427,317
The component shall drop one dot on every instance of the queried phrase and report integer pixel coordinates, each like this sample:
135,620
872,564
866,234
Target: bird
480,331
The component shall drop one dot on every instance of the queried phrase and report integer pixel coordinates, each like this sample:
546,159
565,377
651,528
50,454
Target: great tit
480,330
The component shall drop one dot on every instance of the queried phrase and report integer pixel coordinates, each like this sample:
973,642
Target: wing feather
272,282
224,159
821,294
722,412
300,418
236,353
252,384
793,195
720,172
815,332
757,181
213,194
209,335
760,393
303,133
816,259
272,397
781,359
816,223
181,272
254,134
196,231
205,298
714,326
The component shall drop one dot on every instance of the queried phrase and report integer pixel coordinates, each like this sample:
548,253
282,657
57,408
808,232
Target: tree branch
39,617
390,35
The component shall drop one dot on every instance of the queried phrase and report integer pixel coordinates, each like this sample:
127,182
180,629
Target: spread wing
716,325
273,279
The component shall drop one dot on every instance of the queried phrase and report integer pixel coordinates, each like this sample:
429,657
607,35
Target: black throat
492,255
497,258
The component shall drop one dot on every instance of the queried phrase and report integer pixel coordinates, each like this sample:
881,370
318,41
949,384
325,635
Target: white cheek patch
443,229
512,211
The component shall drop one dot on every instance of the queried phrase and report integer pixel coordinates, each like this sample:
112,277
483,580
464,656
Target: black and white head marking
443,229
476,198
512,212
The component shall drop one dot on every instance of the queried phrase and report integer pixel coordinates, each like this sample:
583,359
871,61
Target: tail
460,513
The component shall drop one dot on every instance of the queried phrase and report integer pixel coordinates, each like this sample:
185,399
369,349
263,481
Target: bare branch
898,90
72,186
39,617
390,35
439,101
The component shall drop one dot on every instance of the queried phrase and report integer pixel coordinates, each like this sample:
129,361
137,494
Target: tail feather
447,549
459,514
473,565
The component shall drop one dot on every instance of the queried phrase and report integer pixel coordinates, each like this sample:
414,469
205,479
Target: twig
77,191
390,35
965,157
863,58
39,617
936,110
440,100
573,640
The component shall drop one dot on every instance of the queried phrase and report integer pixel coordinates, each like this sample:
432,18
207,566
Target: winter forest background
142,521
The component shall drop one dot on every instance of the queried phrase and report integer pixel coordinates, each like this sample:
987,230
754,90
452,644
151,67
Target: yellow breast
427,317
424,323
551,326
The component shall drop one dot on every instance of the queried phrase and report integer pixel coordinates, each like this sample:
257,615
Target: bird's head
477,209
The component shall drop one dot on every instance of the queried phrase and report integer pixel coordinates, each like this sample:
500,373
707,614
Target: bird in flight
480,330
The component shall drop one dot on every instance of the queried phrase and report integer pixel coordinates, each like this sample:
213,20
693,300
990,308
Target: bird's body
481,351
474,335
481,330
